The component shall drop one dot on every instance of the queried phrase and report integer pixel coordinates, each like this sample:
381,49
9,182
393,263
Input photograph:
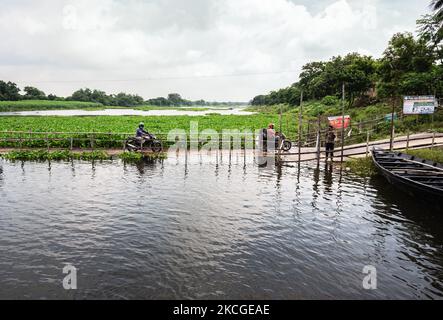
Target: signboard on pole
419,105
337,122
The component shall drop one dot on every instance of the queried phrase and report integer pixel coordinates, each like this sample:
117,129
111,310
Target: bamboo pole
343,123
280,130
367,144
407,140
391,143
300,128
287,124
318,138
92,142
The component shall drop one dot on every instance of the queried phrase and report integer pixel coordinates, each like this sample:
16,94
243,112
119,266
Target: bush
363,167
330,101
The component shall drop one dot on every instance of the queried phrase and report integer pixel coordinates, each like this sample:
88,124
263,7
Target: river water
212,226
129,112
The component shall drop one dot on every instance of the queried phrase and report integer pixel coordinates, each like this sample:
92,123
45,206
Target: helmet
271,126
141,125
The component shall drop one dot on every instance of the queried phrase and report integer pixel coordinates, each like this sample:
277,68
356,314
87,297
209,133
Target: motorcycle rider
141,134
271,131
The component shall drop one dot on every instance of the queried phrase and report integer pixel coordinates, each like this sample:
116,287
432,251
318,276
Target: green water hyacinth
137,157
63,155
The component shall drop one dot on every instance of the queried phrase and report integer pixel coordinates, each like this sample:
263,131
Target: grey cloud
114,39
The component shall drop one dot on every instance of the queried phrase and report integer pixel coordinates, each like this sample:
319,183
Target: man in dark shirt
330,143
141,134
141,131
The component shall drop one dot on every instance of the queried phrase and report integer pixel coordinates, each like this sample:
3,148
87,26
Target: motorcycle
285,145
280,141
148,142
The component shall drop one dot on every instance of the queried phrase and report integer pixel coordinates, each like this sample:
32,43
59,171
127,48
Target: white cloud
117,40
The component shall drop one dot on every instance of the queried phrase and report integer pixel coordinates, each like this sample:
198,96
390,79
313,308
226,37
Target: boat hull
420,191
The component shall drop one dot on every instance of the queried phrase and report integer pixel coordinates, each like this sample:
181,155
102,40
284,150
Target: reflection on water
211,226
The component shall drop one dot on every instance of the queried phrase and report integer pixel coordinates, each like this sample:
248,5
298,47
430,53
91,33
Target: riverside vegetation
66,155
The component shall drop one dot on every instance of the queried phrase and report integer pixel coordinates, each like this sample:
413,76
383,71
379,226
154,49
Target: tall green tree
34,93
406,61
430,31
9,91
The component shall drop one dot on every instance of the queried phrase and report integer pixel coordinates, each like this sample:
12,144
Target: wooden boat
418,177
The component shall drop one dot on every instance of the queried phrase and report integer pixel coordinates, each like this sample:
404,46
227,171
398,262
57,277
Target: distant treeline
9,91
409,66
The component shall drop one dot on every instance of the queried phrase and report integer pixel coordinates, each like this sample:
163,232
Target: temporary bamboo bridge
310,149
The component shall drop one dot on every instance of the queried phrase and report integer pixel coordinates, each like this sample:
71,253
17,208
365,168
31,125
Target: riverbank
365,167
39,105
29,105
433,154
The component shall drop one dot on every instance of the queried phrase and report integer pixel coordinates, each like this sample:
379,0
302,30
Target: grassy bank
30,105
435,154
363,167
313,109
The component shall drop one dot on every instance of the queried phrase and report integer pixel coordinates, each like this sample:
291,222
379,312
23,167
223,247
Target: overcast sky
209,49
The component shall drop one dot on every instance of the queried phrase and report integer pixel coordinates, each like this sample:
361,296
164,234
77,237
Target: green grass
435,154
363,167
30,105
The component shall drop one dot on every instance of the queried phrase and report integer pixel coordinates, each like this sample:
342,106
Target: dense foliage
9,91
409,66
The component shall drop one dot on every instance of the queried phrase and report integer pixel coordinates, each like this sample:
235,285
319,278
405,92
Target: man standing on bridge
330,143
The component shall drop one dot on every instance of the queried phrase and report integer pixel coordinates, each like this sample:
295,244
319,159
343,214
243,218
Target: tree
81,95
437,6
54,97
34,93
100,97
404,59
431,32
9,91
175,99
126,100
309,77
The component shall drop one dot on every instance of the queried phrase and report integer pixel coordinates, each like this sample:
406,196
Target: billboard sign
419,105
337,122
